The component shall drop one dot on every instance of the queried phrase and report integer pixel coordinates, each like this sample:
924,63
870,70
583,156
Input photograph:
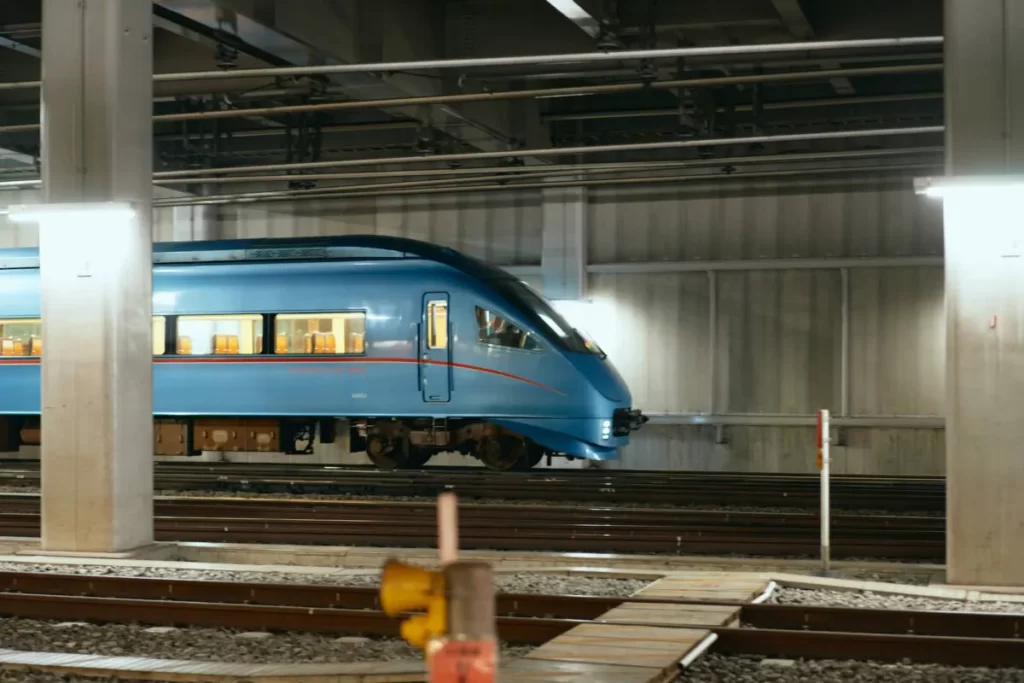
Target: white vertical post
447,529
823,466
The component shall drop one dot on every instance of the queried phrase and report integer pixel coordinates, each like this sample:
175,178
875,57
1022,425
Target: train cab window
221,335
21,337
437,324
495,330
320,333
159,335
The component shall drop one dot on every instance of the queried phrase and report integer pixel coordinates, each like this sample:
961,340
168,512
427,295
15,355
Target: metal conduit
768,106
559,168
386,67
330,194
515,181
711,51
519,171
615,88
555,151
547,92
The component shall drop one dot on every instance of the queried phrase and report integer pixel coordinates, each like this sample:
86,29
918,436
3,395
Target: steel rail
884,643
499,527
850,492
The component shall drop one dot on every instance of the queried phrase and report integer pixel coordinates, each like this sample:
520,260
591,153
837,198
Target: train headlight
606,429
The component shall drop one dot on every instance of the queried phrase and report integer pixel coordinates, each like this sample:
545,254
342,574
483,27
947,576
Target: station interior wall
777,332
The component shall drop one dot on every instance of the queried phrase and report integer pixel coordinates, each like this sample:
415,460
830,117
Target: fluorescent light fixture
577,15
946,186
93,212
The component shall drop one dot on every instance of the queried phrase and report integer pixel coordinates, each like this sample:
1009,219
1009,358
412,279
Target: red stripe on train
307,360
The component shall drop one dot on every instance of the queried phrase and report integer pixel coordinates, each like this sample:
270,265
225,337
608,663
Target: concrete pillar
984,287
97,382
563,256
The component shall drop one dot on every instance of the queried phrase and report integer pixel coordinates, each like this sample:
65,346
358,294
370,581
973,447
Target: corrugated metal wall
501,227
777,333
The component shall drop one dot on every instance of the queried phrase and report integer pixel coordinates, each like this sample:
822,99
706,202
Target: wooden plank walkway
727,588
638,642
668,614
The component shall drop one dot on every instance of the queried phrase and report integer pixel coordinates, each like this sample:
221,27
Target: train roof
342,248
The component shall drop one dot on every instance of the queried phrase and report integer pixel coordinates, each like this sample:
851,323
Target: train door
435,349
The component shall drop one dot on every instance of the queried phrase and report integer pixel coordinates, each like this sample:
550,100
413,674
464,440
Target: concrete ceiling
212,34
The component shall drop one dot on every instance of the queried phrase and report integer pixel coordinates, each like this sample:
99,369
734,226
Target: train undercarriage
390,444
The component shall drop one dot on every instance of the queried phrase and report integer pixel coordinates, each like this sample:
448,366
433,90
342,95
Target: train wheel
387,454
418,457
536,454
504,454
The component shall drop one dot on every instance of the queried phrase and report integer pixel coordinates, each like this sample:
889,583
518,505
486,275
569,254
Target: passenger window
319,333
221,335
21,337
437,324
159,335
497,331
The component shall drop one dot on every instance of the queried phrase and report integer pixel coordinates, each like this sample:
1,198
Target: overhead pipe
555,151
615,88
552,169
569,168
515,181
485,77
668,53
621,55
292,195
768,106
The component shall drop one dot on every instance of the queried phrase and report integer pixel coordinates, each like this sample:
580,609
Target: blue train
264,345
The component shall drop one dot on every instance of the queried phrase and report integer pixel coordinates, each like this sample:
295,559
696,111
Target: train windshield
544,316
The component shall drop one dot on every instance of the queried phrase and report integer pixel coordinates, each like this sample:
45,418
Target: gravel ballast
546,584
205,644
719,669
872,600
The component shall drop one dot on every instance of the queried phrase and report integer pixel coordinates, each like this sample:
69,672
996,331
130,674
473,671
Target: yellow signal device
405,588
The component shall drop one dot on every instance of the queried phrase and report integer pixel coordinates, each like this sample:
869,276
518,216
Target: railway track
508,527
849,492
971,639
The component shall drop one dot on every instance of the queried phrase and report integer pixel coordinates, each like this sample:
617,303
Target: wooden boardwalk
639,642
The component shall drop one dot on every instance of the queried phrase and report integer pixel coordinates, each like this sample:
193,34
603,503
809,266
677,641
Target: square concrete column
97,384
984,59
